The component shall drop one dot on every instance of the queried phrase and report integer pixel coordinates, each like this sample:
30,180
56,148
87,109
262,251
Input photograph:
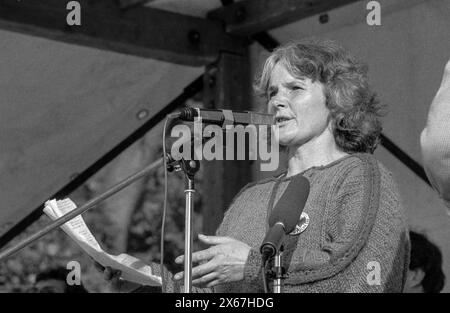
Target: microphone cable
165,206
264,276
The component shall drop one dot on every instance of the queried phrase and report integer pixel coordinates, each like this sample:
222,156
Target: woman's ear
330,122
416,277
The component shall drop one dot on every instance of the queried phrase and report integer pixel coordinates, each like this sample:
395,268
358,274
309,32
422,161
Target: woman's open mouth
282,121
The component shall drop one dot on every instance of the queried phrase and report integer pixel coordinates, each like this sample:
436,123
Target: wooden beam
140,31
254,16
126,4
226,85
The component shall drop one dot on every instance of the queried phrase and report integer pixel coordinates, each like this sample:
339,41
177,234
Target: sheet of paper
76,228
132,268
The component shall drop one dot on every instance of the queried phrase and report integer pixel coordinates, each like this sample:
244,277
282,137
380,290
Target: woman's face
298,105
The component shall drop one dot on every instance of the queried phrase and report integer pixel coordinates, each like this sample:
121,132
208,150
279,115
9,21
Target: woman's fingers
115,282
199,271
213,283
110,273
225,261
205,280
207,254
214,240
203,255
107,274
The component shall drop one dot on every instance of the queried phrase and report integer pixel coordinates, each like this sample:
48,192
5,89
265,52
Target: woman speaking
327,120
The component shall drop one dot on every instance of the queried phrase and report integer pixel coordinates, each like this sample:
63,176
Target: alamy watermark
373,18
74,276
260,142
74,16
373,278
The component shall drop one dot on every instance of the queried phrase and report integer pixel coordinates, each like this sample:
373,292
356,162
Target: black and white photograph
223,150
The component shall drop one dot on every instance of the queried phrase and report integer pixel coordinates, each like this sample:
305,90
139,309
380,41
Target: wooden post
227,85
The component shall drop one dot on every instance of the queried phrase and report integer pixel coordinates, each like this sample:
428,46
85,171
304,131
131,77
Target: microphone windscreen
291,204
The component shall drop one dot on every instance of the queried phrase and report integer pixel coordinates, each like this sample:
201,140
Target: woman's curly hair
355,112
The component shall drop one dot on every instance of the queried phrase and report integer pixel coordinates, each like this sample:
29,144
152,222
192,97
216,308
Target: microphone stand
190,168
278,272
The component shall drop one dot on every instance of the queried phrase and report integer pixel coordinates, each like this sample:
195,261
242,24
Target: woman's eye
297,88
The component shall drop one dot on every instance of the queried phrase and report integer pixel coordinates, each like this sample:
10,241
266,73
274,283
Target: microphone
285,215
223,117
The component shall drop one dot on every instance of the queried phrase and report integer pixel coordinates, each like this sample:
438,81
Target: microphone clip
277,272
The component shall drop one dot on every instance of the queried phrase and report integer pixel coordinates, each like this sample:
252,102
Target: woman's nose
278,103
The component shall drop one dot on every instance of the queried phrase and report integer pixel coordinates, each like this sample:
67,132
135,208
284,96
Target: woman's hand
115,283
223,262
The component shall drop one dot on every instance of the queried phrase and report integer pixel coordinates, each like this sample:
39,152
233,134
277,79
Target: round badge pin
303,222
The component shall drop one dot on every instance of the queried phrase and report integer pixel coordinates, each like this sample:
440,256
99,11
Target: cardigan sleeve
353,205
252,268
435,140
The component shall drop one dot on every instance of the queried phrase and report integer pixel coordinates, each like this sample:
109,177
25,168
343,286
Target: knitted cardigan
435,140
356,240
